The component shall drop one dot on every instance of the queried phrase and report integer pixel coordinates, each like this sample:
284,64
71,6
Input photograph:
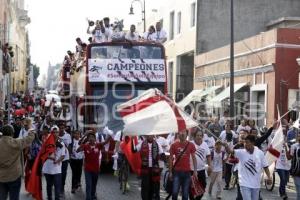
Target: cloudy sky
56,23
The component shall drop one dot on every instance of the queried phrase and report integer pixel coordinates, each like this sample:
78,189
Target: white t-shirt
171,138
98,36
160,151
49,167
202,151
159,36
74,154
282,162
163,142
250,167
148,36
66,139
210,141
23,133
217,162
108,33
132,37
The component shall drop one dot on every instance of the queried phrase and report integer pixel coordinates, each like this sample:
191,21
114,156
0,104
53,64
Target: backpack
295,163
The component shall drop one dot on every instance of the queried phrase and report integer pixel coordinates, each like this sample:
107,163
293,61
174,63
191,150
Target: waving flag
276,145
152,113
34,186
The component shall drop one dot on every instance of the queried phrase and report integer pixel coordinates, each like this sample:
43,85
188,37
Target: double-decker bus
115,72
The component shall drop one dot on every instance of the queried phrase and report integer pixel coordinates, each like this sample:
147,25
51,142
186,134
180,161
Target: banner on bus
126,70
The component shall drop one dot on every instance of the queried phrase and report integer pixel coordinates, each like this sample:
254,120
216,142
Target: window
178,22
193,14
170,78
171,25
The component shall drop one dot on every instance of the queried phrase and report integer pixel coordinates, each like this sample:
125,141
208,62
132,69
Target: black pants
149,188
202,179
228,170
76,166
239,194
53,180
10,189
64,169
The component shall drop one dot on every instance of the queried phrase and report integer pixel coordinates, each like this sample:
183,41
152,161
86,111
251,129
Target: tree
36,72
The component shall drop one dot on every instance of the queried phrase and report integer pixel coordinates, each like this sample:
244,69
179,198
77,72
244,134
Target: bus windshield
131,52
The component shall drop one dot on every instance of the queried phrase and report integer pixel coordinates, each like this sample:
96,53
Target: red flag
134,159
35,184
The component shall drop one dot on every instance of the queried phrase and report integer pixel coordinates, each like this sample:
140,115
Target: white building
179,20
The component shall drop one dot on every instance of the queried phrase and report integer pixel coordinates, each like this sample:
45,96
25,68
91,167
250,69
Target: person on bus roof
108,29
132,35
150,34
98,32
160,34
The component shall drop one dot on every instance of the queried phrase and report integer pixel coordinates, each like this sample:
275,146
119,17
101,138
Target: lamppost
232,59
143,6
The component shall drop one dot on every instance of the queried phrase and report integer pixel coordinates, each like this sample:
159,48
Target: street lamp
231,59
143,5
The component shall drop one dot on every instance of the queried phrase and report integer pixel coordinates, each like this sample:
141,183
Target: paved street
108,190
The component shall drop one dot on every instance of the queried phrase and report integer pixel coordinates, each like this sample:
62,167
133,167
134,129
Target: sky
56,23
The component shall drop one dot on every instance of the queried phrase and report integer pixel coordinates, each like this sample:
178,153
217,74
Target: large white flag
152,113
276,145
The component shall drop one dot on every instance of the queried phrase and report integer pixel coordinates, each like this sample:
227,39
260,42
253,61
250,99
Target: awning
216,101
196,95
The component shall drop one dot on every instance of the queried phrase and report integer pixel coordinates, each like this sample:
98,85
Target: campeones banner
126,70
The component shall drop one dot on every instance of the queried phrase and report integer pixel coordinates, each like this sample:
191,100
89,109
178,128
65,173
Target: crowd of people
217,151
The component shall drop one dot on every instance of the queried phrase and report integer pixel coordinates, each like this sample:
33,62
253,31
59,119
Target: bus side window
156,54
134,53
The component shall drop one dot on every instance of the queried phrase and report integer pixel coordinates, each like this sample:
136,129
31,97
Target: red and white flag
152,113
276,145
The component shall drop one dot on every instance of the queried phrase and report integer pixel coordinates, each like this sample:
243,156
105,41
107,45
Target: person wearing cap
52,168
10,162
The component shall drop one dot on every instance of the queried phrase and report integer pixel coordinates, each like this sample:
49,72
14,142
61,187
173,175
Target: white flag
296,124
276,145
152,113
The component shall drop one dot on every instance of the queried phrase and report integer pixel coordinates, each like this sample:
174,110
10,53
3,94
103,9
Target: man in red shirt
91,151
180,153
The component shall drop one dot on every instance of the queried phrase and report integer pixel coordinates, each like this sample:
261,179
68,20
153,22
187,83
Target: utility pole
232,60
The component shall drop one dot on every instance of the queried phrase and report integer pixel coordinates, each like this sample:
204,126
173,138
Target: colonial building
13,21
266,75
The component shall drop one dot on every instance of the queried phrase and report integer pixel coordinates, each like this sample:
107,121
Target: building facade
179,21
13,21
250,18
266,75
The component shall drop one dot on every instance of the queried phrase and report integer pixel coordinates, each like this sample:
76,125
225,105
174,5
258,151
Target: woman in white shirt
52,167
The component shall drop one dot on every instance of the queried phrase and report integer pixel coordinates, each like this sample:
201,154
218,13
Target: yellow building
18,39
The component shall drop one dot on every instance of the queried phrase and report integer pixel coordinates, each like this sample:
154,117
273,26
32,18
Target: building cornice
272,46
242,72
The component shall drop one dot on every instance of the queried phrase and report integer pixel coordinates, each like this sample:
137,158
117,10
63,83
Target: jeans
91,179
183,180
201,175
53,180
249,193
76,166
284,177
11,189
297,184
64,169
